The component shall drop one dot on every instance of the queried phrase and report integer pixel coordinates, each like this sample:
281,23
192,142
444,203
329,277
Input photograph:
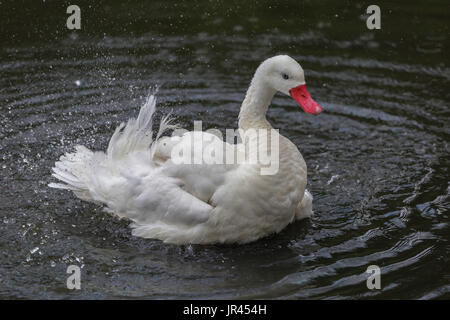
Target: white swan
138,179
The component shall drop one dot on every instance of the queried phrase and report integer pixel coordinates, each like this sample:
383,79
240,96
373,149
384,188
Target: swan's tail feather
92,175
72,170
136,134
165,124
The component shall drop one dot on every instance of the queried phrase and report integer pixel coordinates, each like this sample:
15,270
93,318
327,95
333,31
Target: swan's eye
285,76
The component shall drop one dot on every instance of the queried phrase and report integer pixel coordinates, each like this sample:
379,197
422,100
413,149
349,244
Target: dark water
378,157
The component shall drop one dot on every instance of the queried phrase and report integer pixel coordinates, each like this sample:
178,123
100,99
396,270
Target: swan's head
284,74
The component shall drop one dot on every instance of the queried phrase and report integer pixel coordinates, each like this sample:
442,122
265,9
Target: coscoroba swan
203,202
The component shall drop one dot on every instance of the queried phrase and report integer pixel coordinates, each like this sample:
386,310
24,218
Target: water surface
378,156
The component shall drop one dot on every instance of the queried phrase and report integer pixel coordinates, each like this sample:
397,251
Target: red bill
303,98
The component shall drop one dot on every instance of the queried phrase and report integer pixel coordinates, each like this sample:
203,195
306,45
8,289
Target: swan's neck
255,105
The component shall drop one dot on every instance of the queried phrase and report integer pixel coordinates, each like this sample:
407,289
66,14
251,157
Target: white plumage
138,179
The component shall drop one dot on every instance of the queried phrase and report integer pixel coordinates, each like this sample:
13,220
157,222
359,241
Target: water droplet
333,178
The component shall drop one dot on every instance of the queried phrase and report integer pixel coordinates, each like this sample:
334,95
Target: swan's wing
131,188
199,161
157,197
